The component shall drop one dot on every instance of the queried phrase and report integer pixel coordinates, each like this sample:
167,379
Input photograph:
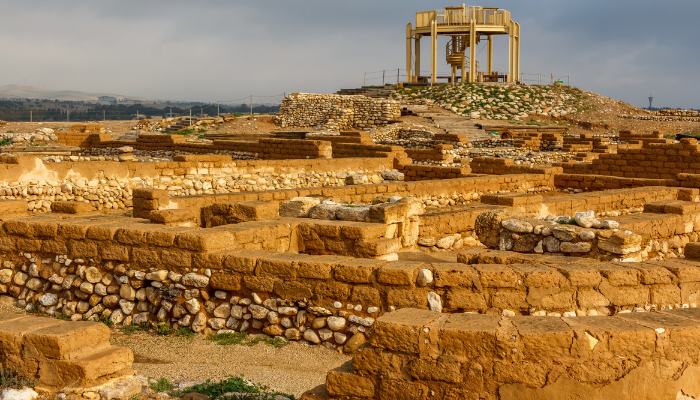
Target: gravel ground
294,368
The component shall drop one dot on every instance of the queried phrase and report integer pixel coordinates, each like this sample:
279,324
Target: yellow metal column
409,61
433,51
511,28
489,51
464,61
517,51
417,57
472,50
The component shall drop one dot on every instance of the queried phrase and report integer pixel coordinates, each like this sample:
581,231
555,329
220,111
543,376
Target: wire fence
544,79
68,111
391,76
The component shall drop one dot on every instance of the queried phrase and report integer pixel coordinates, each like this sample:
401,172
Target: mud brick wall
335,112
76,139
439,153
344,150
503,166
263,148
652,161
415,172
366,193
415,354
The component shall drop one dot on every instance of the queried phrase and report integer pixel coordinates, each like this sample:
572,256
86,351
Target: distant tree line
48,110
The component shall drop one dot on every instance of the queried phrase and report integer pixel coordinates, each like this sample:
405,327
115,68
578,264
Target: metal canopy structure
467,26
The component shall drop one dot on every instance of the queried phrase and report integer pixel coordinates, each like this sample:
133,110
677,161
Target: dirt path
291,369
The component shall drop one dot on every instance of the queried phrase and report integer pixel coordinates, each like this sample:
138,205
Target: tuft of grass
161,385
11,379
62,316
128,330
5,142
163,328
185,332
234,384
105,320
35,309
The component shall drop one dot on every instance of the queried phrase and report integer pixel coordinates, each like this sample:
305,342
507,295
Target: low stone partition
108,185
415,172
441,153
508,230
505,166
335,112
416,354
56,353
652,161
366,193
266,148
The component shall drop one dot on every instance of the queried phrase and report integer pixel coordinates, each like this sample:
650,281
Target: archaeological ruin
481,240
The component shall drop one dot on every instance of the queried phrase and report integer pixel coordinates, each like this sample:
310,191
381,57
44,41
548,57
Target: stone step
107,363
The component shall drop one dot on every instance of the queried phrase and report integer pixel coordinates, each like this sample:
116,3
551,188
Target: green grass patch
129,329
160,385
11,379
185,332
163,328
5,142
234,384
62,316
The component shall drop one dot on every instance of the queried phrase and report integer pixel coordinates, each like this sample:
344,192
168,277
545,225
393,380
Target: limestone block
298,207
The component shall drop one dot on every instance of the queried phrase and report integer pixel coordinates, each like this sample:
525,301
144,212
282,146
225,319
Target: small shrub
163,328
105,320
11,379
62,316
234,384
129,329
161,385
185,332
5,142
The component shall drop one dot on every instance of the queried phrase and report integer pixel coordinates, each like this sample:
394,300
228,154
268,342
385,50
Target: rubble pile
335,112
497,102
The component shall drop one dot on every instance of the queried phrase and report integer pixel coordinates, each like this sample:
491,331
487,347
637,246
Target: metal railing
544,79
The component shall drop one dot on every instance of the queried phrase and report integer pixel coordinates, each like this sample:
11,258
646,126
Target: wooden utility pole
251,104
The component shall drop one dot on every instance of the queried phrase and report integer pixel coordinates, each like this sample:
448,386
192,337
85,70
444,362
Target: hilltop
564,105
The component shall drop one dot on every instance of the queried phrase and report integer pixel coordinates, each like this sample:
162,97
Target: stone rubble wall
519,232
416,354
426,190
108,185
91,268
335,112
266,148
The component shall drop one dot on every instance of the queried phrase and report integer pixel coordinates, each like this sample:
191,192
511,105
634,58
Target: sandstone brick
402,273
356,270
455,275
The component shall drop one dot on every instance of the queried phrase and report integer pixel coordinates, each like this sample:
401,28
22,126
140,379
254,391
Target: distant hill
30,92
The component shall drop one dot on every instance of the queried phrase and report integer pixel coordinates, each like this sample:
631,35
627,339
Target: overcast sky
226,50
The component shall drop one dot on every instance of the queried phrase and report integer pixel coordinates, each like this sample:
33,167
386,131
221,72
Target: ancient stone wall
205,279
366,193
108,185
335,112
56,353
652,161
420,354
415,172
